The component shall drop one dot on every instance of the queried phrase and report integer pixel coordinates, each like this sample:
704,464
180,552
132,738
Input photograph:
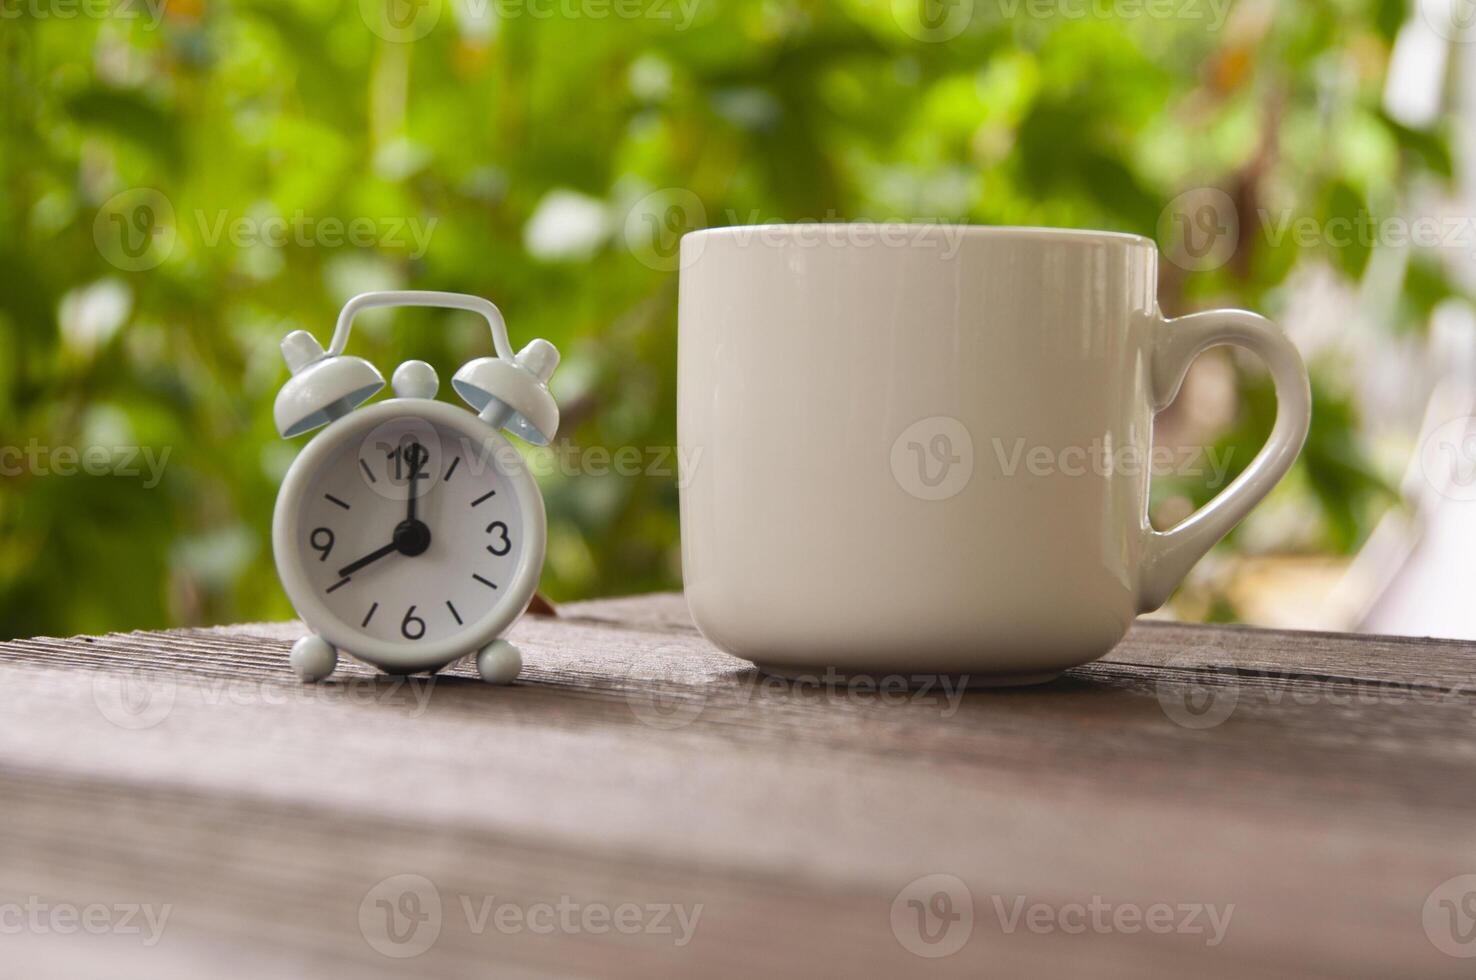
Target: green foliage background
641,126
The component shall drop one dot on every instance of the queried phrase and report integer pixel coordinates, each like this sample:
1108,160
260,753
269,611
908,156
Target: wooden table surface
1206,801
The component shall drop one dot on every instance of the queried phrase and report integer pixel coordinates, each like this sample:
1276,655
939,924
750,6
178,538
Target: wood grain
1329,789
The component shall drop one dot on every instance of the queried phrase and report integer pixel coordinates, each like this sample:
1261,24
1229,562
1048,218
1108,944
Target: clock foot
499,662
313,658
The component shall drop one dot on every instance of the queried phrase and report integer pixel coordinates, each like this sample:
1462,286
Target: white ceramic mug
926,449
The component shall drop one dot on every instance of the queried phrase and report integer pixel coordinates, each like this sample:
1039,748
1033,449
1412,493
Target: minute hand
373,556
418,456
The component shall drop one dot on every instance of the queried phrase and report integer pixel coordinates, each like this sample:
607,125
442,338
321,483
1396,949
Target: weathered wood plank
634,763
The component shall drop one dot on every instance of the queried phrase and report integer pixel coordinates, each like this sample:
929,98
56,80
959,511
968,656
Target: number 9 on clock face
411,535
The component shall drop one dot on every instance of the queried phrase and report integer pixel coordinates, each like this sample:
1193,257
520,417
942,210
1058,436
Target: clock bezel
409,656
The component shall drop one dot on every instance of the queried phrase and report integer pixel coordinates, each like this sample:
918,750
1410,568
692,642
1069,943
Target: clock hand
418,455
373,556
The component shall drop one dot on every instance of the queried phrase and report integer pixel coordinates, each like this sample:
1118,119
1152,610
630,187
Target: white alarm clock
409,533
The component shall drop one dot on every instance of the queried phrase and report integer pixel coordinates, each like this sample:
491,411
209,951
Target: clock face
409,533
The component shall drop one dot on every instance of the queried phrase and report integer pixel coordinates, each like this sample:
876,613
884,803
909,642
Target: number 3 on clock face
411,535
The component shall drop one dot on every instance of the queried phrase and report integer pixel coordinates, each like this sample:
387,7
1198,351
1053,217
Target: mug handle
1168,555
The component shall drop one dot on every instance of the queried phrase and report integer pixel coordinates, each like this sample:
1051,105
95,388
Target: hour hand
373,556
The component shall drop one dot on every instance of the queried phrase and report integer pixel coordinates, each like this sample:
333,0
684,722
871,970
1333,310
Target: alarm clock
409,533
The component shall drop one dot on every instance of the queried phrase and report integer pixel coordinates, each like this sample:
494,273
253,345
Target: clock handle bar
422,297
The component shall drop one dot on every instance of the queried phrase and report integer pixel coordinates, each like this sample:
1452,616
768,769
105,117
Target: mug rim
1025,232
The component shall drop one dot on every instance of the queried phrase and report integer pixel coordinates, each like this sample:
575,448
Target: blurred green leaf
283,110
130,116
